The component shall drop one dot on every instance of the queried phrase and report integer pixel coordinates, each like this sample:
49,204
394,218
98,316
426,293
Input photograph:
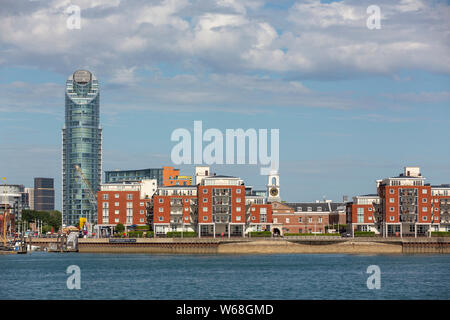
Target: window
424,191
205,191
105,205
238,191
205,209
391,191
391,209
300,220
205,218
288,220
275,220
360,215
424,200
141,220
369,217
161,209
238,200
391,200
141,204
309,220
142,211
161,200
160,218
320,220
129,197
105,197
116,204
186,200
370,209
424,209
253,209
309,208
116,195
116,220
253,218
391,218
424,218
238,218
116,211
186,208
299,209
319,209
205,200
238,209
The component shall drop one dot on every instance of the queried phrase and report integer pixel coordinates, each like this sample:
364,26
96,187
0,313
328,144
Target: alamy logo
374,20
74,280
74,19
213,153
374,280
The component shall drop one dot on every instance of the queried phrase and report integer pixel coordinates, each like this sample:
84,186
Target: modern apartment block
44,194
361,213
216,207
441,207
166,176
124,203
405,204
82,148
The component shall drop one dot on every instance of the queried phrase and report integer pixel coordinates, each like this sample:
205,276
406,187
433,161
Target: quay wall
263,246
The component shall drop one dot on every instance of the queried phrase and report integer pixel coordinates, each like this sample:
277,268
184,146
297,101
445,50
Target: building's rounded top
82,77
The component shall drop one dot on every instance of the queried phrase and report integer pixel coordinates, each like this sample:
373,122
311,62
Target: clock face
274,192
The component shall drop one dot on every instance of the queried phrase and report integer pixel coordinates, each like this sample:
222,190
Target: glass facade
134,175
82,147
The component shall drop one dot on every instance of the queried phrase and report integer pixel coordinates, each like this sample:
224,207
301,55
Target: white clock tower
273,187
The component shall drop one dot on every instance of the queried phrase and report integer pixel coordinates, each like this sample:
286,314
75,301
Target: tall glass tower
82,148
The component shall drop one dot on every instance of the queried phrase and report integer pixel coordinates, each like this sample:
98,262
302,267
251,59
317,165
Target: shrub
260,234
364,234
312,234
440,233
179,234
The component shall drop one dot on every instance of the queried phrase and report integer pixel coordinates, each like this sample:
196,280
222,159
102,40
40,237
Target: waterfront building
301,217
441,207
82,148
405,204
44,194
124,203
361,213
174,209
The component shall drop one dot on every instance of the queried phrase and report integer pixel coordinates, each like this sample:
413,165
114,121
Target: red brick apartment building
361,213
217,206
405,206
123,203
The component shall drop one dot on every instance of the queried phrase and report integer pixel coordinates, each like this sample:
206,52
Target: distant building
44,194
30,194
166,176
14,200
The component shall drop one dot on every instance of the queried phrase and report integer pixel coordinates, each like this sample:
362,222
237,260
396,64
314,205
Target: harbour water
162,276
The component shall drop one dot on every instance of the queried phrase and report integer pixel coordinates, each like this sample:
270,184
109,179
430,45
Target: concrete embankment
263,246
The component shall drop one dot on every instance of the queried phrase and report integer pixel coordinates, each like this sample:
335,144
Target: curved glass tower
82,148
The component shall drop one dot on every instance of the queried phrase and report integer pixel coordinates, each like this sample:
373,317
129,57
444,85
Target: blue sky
353,105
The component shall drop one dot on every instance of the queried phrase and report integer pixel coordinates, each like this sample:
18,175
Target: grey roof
324,206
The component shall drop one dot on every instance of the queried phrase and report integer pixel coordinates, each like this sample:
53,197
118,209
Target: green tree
120,228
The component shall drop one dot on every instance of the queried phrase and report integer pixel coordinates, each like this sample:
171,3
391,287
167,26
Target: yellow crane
92,194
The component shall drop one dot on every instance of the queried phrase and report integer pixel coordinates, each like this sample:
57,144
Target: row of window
106,196
116,204
300,220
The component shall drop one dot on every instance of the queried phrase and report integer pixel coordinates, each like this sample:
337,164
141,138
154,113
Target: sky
352,104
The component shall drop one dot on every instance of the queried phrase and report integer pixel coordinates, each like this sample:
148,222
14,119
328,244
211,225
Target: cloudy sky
353,104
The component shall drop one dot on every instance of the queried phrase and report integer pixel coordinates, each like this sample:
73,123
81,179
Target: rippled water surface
297,276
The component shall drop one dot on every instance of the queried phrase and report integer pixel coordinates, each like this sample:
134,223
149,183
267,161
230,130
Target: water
161,276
